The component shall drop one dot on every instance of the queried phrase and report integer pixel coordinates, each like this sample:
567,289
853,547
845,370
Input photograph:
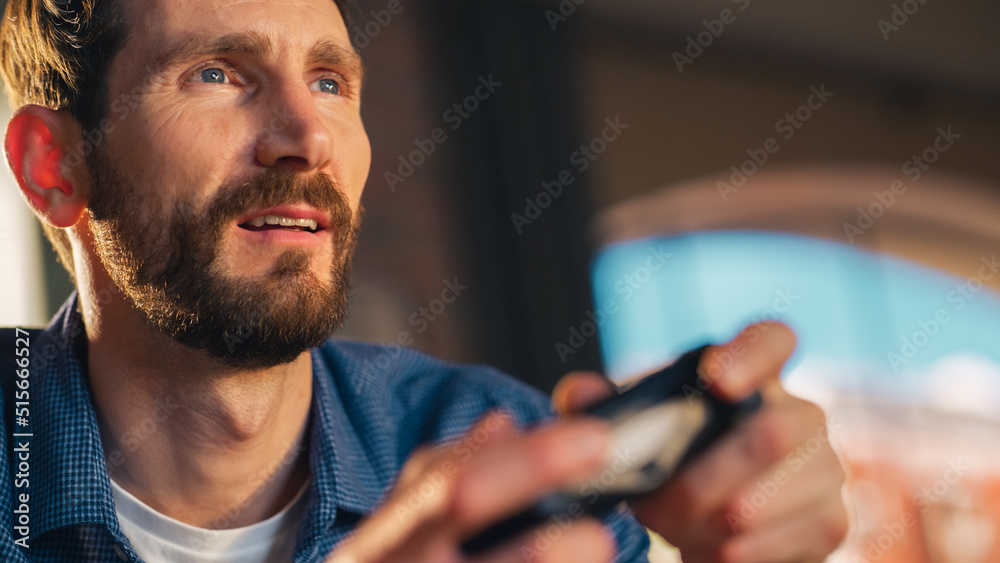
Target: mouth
277,222
285,218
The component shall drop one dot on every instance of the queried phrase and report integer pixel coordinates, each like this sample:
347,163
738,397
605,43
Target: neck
200,442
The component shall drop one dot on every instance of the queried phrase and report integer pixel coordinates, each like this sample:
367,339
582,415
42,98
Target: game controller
659,425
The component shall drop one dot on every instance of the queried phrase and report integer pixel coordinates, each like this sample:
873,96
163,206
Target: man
199,165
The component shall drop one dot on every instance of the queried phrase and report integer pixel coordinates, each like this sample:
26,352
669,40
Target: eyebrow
327,52
256,45
330,53
249,43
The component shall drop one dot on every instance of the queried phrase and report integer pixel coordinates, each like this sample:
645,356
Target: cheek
180,150
353,159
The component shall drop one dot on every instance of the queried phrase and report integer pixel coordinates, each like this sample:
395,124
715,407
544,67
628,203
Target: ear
37,140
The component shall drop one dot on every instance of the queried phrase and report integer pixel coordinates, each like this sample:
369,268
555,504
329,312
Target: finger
809,535
812,477
454,490
580,389
748,362
720,473
584,541
494,426
421,492
514,473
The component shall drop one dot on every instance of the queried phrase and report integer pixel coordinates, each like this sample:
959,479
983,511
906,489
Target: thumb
751,361
580,389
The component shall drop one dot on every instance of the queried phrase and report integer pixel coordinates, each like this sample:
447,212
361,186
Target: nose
292,134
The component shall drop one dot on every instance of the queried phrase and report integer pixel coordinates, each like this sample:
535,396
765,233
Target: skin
802,522
701,512
217,447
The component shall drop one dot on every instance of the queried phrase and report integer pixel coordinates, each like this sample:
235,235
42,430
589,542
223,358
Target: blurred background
597,184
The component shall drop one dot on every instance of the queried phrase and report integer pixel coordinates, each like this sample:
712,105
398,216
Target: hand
446,494
768,493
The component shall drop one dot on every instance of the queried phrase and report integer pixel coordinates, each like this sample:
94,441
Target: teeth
310,224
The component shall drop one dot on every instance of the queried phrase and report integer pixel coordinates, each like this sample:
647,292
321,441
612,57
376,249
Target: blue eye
213,75
328,86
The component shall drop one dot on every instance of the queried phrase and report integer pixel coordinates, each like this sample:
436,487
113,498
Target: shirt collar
72,484
72,470
338,459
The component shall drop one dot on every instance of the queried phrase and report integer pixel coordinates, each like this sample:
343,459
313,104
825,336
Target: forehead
155,26
164,13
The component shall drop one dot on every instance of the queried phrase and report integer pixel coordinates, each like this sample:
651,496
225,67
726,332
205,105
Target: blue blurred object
885,322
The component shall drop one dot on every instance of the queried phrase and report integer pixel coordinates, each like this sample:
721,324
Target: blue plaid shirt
371,407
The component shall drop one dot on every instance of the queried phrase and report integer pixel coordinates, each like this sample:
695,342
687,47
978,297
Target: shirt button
120,552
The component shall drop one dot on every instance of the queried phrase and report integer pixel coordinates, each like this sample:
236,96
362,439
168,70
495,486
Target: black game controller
658,425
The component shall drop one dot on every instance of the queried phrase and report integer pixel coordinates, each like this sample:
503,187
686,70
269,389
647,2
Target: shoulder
406,381
413,398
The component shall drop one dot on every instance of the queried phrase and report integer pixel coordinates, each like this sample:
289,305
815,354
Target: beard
166,263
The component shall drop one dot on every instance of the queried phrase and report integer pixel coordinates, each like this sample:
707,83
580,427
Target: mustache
275,187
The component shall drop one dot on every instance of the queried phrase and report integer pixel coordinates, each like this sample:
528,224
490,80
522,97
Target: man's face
227,116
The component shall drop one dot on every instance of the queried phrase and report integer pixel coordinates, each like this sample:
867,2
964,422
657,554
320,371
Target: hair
56,54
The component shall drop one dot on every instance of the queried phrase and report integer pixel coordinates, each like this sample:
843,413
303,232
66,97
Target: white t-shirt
160,539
